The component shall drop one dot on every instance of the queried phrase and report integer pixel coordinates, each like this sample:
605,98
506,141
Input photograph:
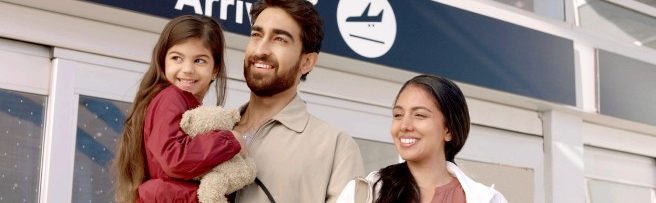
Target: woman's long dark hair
398,184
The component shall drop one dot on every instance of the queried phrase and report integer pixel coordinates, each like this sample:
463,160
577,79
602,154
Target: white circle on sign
367,26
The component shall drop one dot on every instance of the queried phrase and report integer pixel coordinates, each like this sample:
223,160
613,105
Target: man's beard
267,85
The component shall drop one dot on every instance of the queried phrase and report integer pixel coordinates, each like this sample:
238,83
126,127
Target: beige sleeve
347,164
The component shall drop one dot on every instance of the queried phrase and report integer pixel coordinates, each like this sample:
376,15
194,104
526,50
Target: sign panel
419,36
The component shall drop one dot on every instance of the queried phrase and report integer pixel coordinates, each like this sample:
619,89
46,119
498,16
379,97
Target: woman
430,126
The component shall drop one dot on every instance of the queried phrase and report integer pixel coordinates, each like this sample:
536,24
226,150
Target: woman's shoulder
498,197
473,189
372,177
348,194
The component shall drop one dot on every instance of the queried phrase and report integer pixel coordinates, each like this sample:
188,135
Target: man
299,157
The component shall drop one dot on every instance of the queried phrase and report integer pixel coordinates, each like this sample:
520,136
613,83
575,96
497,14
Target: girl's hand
242,142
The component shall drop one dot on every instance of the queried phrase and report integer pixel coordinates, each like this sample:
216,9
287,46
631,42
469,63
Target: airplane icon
366,18
363,29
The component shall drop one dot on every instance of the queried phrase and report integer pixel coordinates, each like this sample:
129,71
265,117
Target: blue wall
438,39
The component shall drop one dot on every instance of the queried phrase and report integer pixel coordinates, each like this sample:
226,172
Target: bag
264,188
361,193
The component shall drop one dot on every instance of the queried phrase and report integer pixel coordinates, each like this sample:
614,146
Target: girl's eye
176,58
200,61
397,115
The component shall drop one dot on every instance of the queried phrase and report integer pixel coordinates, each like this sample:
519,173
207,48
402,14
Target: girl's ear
216,73
447,136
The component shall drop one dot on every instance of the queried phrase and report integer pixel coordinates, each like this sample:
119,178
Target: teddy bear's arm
208,118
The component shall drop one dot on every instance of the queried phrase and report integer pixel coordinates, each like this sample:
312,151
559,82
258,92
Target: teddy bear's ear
234,115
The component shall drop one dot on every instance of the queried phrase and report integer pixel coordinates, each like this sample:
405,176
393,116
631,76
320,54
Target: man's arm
346,165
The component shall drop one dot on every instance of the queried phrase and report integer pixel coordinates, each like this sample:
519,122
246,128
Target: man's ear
308,61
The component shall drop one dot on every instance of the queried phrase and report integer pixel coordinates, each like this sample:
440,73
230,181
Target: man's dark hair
306,17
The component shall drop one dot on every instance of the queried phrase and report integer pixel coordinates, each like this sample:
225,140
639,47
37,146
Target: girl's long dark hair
398,184
129,165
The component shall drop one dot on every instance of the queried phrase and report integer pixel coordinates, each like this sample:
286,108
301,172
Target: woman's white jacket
474,192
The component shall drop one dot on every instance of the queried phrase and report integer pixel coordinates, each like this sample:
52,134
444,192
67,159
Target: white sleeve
499,198
347,195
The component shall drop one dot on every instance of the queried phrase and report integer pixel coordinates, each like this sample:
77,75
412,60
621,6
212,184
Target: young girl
156,160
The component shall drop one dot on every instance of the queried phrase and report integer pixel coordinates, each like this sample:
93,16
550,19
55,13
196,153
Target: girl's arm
177,153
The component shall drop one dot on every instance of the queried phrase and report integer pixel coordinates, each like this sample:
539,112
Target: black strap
268,194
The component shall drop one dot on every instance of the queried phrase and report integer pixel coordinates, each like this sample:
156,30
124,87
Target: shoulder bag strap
266,191
361,190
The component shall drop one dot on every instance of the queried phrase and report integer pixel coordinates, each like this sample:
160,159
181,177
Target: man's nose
263,48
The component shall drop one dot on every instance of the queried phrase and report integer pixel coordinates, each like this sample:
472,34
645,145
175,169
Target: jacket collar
474,191
294,116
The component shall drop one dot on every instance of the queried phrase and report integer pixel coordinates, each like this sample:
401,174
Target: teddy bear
228,176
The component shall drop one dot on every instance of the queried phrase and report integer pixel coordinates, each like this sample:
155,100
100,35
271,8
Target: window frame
76,73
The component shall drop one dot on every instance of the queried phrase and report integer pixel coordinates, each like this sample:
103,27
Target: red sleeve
179,155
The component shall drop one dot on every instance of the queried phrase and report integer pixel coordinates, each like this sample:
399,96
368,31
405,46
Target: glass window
619,76
611,192
376,155
618,22
22,117
549,8
100,122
